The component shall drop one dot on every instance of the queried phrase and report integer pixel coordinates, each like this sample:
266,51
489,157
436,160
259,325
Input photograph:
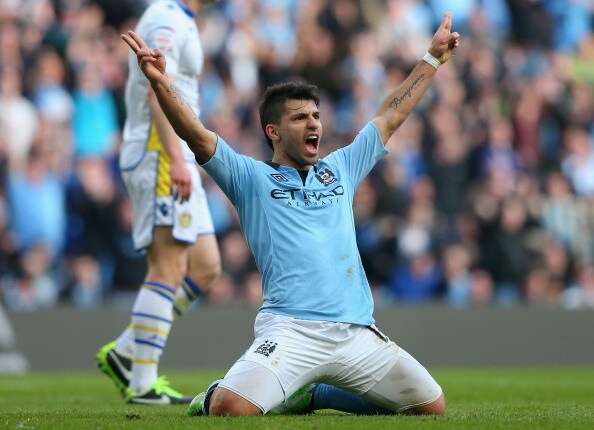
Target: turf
508,398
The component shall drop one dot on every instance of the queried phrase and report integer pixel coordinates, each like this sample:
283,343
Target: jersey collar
276,166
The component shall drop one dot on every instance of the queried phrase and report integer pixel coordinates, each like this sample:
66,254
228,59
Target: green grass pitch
506,398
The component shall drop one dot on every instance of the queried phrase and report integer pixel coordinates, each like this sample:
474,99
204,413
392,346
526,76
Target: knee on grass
227,403
436,407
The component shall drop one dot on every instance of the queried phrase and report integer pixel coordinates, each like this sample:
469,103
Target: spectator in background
95,117
418,281
572,22
564,216
554,270
18,118
93,206
450,171
361,69
499,153
407,24
417,277
37,225
49,91
540,290
344,19
33,286
531,26
37,207
457,263
504,252
578,161
316,63
276,39
482,289
580,294
579,65
367,230
236,257
130,266
55,106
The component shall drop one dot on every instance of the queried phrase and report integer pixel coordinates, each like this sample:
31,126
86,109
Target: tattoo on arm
176,95
396,101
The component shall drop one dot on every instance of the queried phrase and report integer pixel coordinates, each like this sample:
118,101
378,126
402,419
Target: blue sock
329,397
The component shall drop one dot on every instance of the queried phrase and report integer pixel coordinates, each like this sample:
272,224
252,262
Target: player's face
299,135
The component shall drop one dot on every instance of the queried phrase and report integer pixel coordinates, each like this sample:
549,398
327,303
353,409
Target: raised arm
201,141
399,104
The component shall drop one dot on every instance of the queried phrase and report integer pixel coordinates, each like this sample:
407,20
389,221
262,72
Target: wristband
431,60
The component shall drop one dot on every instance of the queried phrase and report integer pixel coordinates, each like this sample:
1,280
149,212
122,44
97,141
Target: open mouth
311,144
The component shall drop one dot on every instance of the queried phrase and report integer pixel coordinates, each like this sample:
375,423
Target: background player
172,222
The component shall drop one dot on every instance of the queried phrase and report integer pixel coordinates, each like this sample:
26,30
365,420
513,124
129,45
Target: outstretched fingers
131,41
137,45
453,39
144,55
447,21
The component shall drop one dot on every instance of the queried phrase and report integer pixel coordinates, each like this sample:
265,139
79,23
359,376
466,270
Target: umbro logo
266,348
279,177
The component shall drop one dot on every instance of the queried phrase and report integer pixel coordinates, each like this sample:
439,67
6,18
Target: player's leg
283,358
152,312
204,261
204,265
393,382
324,396
115,358
408,388
132,360
248,389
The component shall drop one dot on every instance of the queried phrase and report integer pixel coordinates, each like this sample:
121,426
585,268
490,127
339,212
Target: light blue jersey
303,236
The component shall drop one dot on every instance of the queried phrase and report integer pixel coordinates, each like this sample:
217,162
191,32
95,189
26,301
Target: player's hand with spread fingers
444,41
151,61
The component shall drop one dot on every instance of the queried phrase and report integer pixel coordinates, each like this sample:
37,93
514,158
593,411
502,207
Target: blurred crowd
485,199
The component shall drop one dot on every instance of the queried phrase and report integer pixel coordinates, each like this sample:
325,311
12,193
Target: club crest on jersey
185,218
279,177
326,177
266,348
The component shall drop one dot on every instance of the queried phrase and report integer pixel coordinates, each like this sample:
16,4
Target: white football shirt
171,27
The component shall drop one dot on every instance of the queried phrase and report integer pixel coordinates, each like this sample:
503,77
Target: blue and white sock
151,322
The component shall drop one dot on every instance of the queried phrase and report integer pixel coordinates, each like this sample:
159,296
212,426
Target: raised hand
444,41
151,61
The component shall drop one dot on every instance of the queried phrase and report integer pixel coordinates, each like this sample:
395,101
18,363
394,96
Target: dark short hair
272,104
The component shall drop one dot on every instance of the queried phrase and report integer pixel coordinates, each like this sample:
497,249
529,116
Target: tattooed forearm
396,101
178,96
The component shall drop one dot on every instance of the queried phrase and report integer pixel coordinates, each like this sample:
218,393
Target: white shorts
289,353
149,189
